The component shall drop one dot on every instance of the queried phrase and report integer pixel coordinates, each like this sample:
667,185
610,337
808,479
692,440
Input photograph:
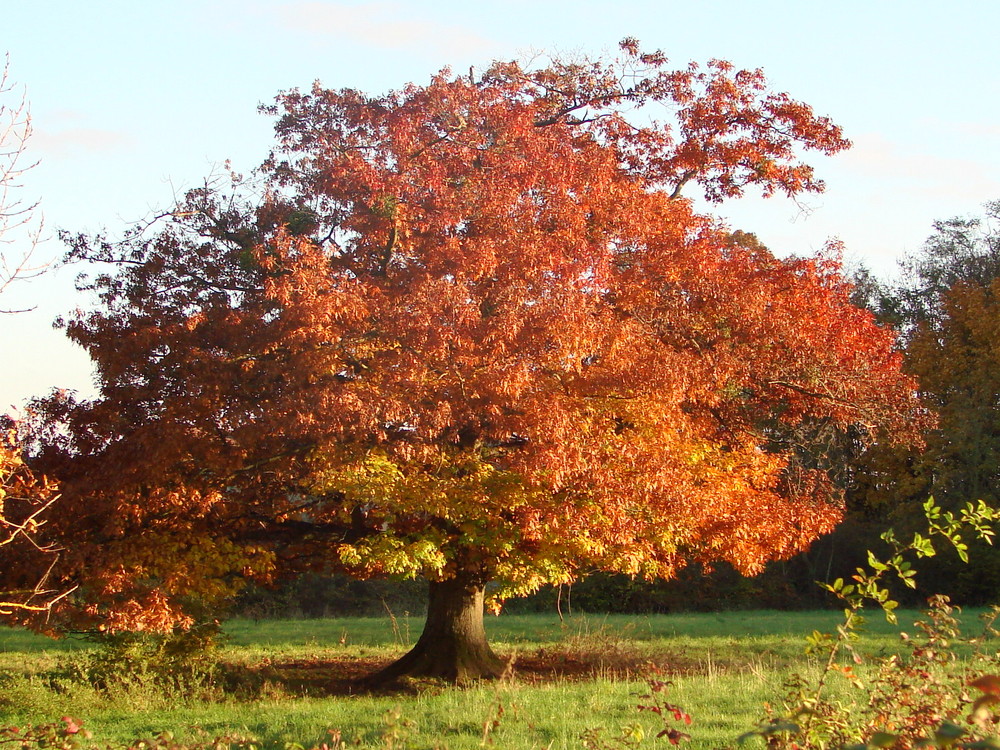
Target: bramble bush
920,699
181,663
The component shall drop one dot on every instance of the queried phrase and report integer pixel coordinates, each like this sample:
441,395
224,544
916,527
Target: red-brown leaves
725,130
471,324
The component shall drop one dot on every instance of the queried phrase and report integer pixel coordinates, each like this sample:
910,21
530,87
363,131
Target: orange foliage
471,329
25,499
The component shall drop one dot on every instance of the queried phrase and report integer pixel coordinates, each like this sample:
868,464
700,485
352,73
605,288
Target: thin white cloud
978,129
69,142
917,173
964,128
65,116
384,25
64,133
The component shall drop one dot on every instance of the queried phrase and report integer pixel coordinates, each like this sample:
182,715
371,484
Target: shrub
182,663
916,700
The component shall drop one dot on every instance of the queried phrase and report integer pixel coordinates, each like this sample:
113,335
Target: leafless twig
20,220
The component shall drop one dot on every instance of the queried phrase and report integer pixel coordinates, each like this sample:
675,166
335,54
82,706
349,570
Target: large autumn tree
471,331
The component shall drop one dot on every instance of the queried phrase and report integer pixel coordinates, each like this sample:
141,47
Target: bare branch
20,222
24,498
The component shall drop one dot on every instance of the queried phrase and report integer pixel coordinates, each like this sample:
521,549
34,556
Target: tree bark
453,644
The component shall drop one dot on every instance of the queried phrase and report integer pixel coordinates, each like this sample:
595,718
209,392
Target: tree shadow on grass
343,676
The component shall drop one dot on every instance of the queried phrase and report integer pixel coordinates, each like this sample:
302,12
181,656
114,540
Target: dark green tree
947,310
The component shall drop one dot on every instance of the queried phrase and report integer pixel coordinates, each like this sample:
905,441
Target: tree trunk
453,644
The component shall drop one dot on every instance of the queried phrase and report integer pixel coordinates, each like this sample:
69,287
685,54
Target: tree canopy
470,331
946,308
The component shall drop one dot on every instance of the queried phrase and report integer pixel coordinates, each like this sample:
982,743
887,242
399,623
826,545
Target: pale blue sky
133,101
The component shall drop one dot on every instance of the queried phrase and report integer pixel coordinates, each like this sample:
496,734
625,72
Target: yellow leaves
175,566
386,555
349,556
368,478
520,577
452,485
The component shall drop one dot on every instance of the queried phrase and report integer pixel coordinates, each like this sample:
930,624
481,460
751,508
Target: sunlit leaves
25,556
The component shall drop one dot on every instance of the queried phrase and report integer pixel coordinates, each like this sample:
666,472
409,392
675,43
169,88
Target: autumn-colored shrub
65,734
69,734
25,500
633,735
917,699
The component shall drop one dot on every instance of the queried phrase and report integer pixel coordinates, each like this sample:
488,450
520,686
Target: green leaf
785,726
947,733
882,739
875,564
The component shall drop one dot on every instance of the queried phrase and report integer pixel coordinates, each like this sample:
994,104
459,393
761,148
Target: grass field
290,681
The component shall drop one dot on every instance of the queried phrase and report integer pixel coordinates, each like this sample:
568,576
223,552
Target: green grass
724,667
